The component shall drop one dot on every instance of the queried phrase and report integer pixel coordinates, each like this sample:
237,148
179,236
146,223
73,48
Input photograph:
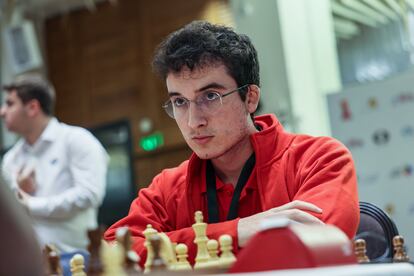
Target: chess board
281,248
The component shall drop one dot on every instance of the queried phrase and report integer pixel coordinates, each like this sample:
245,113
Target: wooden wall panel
100,64
148,166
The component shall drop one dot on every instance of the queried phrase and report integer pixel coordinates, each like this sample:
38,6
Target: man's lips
202,139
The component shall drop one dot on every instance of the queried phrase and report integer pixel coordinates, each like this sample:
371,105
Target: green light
152,142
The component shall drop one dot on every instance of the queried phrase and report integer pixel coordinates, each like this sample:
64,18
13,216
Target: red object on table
284,245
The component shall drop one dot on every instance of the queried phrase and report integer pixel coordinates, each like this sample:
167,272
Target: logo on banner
411,210
402,98
381,137
407,131
354,143
402,171
373,103
345,110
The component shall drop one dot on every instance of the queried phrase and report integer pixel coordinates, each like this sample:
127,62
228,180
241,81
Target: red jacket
288,167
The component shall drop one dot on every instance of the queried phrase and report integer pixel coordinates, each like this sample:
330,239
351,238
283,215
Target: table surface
345,270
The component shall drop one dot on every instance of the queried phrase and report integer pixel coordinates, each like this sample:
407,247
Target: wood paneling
148,166
100,62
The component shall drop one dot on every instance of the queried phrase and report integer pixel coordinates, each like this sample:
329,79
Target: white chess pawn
212,246
77,265
182,255
227,257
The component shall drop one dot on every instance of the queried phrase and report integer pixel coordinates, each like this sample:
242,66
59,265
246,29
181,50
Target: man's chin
207,152
204,155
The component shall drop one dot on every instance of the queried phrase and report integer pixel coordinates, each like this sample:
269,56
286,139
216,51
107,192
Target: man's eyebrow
213,85
172,93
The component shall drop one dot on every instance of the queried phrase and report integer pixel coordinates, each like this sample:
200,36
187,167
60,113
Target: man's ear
33,108
252,98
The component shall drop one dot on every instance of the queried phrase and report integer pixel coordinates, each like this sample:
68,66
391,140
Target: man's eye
179,102
211,96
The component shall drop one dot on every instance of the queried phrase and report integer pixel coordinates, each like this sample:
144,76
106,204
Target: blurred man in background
57,171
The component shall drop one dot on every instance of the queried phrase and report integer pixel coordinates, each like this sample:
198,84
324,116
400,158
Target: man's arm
88,166
6,170
322,184
154,206
296,211
325,176
241,230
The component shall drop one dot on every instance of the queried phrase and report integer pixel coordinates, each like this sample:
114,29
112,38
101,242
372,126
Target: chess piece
360,251
158,263
77,265
201,240
52,260
182,254
112,259
45,253
94,247
148,233
54,264
227,257
167,251
212,247
131,258
399,251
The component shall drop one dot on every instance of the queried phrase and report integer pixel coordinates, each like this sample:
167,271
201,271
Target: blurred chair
378,230
20,251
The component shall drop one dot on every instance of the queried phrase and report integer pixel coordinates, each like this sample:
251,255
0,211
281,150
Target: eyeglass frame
221,96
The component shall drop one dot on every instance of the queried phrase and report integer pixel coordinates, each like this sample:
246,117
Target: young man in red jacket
243,170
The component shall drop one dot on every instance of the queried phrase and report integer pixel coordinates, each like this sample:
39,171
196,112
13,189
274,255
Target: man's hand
26,182
23,197
295,210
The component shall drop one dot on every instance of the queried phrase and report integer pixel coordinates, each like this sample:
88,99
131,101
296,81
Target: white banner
376,122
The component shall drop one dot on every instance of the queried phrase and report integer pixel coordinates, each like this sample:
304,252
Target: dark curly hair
200,44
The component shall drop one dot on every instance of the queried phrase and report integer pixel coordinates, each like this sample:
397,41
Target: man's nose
196,117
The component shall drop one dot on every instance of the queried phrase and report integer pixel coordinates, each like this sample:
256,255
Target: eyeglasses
207,102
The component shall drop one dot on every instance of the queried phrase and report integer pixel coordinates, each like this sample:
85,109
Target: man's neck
36,130
229,166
